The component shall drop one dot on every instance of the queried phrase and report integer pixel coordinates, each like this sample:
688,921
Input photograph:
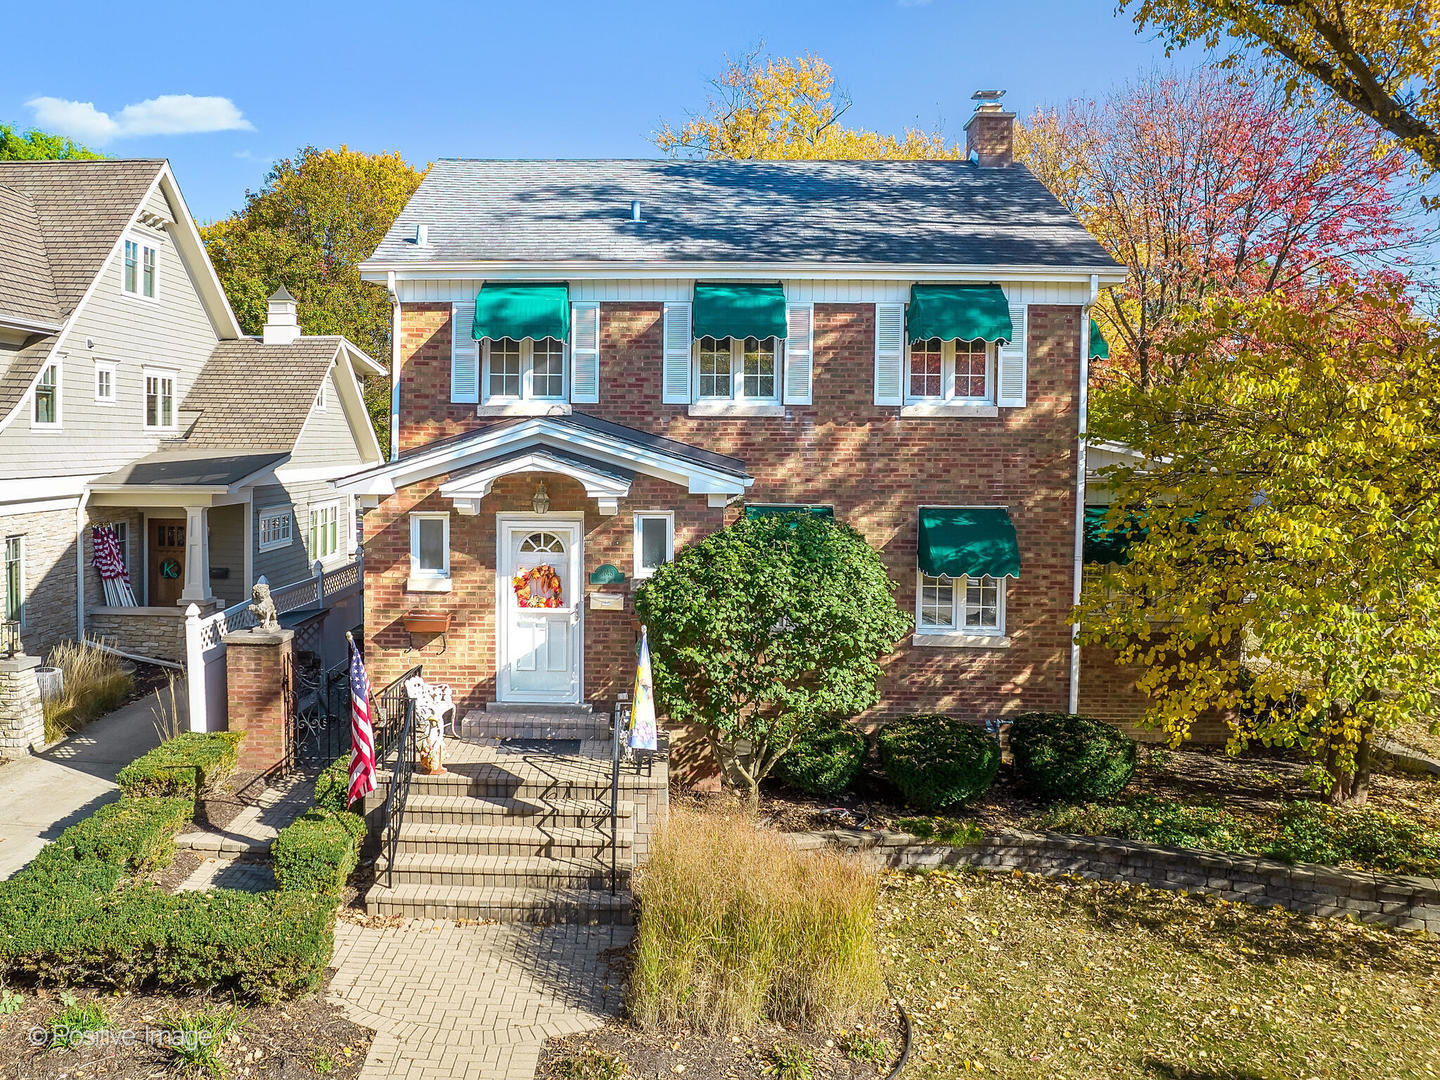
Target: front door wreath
538,587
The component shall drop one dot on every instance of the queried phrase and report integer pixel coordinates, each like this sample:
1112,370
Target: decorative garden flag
362,732
642,715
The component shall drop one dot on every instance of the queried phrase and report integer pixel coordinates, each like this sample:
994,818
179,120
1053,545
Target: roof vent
635,210
281,324
422,235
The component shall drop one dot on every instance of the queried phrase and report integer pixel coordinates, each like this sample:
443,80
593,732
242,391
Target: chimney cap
987,95
282,293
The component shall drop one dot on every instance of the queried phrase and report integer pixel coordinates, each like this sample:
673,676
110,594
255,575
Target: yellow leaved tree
764,108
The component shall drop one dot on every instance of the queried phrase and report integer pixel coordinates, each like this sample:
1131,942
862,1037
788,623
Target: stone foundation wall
144,631
1408,903
22,717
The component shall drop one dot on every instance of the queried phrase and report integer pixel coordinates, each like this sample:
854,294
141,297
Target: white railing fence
338,592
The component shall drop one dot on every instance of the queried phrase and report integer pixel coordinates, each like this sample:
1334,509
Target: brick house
131,401
597,362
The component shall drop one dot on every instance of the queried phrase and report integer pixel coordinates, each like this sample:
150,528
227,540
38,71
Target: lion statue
263,608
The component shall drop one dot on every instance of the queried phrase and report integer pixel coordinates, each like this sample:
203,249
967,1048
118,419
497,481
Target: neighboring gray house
128,396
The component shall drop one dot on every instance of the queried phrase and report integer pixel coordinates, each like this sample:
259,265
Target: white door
539,646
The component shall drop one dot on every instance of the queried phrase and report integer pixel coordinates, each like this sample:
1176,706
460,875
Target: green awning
763,510
531,310
1099,347
1108,545
741,311
968,542
958,313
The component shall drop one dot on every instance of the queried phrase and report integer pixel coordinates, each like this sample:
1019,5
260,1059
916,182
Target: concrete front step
535,725
507,871
487,839
523,781
446,809
510,905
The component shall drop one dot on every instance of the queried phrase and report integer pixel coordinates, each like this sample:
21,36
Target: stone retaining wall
1409,903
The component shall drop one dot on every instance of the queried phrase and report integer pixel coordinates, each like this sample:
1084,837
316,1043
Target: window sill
428,584
732,408
925,409
960,640
525,408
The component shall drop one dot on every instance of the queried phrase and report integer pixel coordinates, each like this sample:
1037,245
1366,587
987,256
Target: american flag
362,732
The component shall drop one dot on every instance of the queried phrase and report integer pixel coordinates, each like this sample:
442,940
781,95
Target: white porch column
197,555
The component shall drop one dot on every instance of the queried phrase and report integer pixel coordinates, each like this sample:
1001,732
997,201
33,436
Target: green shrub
1064,756
132,835
190,764
738,926
1155,821
332,787
824,762
937,761
1312,832
317,852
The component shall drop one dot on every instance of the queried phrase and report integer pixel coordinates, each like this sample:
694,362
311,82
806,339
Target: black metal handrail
616,726
390,708
395,731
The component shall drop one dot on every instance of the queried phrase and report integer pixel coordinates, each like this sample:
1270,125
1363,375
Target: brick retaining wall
1409,903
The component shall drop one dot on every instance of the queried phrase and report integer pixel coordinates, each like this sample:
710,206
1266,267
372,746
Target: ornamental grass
93,685
738,926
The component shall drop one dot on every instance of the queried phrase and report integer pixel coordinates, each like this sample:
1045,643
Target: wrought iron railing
394,727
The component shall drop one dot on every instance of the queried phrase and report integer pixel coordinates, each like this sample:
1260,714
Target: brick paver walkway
451,1001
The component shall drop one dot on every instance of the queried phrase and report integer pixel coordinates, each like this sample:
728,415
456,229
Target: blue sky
516,79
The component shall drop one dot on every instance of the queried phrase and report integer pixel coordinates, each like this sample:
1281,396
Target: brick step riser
507,729
570,879
547,914
481,848
576,791
485,816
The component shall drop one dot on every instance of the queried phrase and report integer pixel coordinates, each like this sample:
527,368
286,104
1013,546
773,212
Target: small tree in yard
766,630
1289,566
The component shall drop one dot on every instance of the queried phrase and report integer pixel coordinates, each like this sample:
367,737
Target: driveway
43,794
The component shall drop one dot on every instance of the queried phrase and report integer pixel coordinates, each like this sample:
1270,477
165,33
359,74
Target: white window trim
322,396
527,376
737,403
947,403
340,544
274,513
58,422
5,576
668,516
142,242
146,374
954,635
421,580
111,368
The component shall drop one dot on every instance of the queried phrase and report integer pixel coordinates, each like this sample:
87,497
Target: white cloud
168,114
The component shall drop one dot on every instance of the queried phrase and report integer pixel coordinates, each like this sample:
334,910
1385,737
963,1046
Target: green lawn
1015,976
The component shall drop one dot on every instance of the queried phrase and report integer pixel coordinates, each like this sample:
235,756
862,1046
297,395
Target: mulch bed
717,1057
223,805
181,867
306,1038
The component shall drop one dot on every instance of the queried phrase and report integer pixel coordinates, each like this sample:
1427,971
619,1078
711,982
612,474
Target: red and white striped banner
362,731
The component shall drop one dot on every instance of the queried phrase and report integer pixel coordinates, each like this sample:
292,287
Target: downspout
1080,488
394,365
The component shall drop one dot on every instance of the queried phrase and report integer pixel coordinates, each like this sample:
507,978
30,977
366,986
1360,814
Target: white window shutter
464,355
675,386
1010,363
585,352
799,349
889,353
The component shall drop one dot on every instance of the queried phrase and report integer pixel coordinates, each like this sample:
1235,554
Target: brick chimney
282,326
990,131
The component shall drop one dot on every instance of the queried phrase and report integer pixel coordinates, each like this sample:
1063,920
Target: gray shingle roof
257,396
189,468
950,213
27,288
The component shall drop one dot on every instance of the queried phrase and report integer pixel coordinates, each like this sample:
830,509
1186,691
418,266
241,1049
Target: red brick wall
874,467
256,681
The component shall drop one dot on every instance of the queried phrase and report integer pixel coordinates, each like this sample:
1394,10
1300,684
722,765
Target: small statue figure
432,748
263,608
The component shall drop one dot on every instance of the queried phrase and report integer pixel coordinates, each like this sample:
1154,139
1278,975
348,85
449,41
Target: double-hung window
951,372
525,370
324,539
961,605
276,528
141,269
159,400
737,369
105,382
47,397
430,545
15,579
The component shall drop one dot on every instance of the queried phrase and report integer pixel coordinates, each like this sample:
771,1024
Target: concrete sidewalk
45,793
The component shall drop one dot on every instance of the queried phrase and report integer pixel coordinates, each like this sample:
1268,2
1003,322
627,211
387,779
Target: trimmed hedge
825,762
937,761
72,915
332,787
189,764
317,852
1070,757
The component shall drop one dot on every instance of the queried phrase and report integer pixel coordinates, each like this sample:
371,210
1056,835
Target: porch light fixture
10,643
541,502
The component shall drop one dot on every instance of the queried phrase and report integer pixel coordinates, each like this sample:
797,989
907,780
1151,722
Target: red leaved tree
1208,184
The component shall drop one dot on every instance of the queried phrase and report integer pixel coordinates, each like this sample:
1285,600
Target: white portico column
197,555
